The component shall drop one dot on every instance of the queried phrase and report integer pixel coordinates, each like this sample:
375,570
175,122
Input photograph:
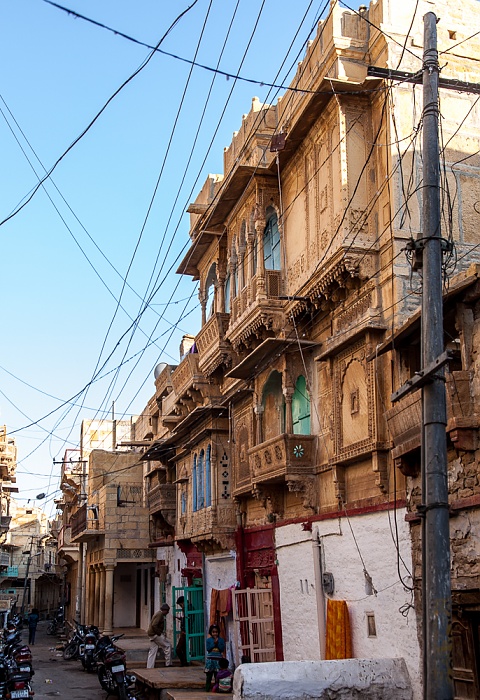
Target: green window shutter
301,408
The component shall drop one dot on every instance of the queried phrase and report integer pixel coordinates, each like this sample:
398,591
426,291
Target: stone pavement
55,677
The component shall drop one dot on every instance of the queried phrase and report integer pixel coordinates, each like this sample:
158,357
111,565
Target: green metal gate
194,618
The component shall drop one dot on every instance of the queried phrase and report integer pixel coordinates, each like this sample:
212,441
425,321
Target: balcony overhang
87,535
231,191
411,328
262,355
314,103
156,452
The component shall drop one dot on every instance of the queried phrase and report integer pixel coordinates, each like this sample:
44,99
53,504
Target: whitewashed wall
175,560
298,593
220,573
303,602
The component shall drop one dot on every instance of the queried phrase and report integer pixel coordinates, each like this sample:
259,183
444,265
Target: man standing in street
156,632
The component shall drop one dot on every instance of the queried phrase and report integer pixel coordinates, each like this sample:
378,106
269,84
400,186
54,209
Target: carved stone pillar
241,268
221,276
91,596
203,304
108,626
96,607
288,395
259,423
261,287
101,604
250,264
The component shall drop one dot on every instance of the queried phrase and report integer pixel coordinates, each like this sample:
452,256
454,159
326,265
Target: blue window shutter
194,483
208,477
201,481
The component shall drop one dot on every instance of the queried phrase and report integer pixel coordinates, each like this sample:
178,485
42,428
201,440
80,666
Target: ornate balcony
256,307
86,524
404,421
210,528
168,405
213,348
187,378
163,383
283,458
162,498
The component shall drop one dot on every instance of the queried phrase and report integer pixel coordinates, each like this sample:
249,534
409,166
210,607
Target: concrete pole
108,628
438,683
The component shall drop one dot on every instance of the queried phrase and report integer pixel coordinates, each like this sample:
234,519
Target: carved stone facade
299,254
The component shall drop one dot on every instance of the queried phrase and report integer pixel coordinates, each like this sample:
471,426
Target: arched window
210,283
271,241
301,408
208,477
194,483
227,293
201,481
273,407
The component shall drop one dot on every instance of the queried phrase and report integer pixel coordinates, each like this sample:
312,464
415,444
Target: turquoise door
194,620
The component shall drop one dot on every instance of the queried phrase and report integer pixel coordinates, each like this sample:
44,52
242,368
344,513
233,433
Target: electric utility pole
428,249
436,532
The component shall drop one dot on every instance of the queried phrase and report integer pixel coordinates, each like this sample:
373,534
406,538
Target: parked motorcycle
87,649
112,668
16,669
57,623
20,654
72,650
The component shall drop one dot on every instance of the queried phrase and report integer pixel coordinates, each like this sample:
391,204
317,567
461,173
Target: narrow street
55,677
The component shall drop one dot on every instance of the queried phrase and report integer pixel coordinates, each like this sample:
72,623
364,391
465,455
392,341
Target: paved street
68,679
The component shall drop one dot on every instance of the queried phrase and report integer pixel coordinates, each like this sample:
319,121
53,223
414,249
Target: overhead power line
97,116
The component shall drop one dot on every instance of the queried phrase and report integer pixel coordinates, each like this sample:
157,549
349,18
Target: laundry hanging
339,637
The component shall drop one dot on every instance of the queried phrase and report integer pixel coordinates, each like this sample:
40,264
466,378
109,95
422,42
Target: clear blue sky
59,288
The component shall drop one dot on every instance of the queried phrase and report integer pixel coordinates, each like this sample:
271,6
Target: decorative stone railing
212,524
161,497
163,382
168,404
282,458
186,375
211,344
85,522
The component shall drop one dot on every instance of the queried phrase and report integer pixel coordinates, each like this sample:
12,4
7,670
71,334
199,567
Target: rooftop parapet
251,142
203,200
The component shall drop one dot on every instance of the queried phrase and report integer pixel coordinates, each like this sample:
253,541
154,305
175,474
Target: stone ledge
368,679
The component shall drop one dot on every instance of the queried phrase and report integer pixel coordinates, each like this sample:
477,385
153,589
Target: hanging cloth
220,607
339,638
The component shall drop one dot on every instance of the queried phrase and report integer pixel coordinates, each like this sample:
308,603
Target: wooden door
465,638
254,627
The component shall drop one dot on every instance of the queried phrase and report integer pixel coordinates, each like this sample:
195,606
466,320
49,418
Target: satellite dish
159,369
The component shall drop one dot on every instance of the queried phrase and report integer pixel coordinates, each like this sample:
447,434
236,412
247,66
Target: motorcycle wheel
70,651
51,628
122,692
106,681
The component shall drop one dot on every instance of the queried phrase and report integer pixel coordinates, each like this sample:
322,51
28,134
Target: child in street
224,680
